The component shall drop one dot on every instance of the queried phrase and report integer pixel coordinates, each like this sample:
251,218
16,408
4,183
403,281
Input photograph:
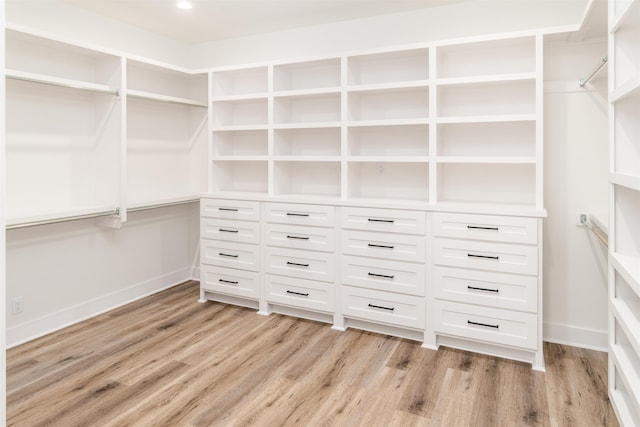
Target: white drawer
490,325
383,275
289,213
230,281
384,245
300,237
232,255
297,263
383,307
230,209
389,220
486,227
230,230
497,290
300,293
502,257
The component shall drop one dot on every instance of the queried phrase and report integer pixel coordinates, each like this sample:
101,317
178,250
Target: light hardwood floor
167,360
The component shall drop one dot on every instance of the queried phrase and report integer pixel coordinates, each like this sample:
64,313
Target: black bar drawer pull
382,307
228,281
297,214
482,289
380,220
380,275
486,325
297,293
477,227
297,264
371,245
224,230
483,256
227,255
297,237
228,209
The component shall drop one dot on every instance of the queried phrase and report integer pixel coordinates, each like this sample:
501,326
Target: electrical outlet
16,305
581,219
380,168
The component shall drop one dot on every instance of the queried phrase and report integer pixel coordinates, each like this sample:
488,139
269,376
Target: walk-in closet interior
446,176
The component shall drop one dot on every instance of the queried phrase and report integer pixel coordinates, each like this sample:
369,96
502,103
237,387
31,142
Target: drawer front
486,227
384,307
497,290
230,281
300,237
230,209
300,293
384,245
501,257
383,275
232,255
491,325
389,220
289,213
302,264
230,230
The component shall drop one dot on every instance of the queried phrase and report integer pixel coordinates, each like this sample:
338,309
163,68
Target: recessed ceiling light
184,4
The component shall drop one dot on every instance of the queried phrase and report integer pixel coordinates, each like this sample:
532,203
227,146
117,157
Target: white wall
66,272
576,169
3,334
454,21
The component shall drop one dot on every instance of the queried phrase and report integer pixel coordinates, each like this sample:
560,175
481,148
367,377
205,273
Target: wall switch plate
16,305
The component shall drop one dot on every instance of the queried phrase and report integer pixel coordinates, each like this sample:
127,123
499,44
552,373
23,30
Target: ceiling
211,20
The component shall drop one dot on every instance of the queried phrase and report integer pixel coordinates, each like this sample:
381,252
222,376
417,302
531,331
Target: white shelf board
307,158
526,210
625,180
164,98
630,377
303,93
310,125
487,160
488,119
630,88
617,21
241,97
234,128
169,201
375,87
262,158
389,122
59,81
627,321
58,216
388,159
628,267
495,78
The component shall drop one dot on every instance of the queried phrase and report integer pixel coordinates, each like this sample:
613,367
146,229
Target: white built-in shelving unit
624,229
94,132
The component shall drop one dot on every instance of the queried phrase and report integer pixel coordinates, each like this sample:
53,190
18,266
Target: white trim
52,322
575,336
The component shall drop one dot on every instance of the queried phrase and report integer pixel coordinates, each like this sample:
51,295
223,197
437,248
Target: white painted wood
230,209
299,214
230,230
230,281
384,245
383,307
299,263
230,255
488,228
299,293
387,220
384,275
299,237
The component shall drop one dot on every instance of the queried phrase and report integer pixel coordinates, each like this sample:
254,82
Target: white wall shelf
631,88
324,74
388,104
625,180
388,67
164,98
250,82
488,118
307,109
57,81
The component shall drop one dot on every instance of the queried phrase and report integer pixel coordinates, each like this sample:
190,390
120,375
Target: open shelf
388,181
240,177
251,112
307,109
61,82
316,179
391,104
487,99
487,58
388,67
165,84
626,207
487,183
630,88
397,140
625,180
307,142
240,82
493,139
307,75
240,143
626,130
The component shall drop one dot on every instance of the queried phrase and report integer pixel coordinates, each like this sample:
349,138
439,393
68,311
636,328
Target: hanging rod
162,205
35,78
584,81
69,218
597,231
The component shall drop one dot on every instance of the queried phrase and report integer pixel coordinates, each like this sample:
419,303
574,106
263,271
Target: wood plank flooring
167,360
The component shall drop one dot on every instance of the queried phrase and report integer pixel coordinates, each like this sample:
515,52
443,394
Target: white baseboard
591,339
52,322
